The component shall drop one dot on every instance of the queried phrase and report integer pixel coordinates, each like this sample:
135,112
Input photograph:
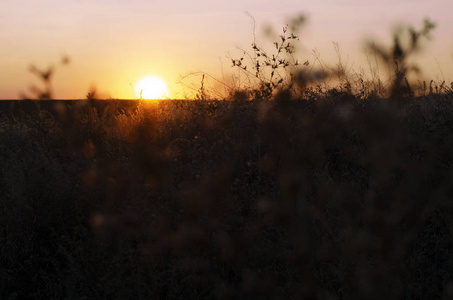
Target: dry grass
335,198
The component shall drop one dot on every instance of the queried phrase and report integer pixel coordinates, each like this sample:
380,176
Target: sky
112,44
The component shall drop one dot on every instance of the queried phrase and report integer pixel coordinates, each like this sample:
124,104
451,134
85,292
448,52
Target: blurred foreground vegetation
332,197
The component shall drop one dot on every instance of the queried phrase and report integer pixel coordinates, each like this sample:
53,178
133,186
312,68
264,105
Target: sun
151,87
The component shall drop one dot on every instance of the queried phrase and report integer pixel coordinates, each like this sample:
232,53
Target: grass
329,193
330,198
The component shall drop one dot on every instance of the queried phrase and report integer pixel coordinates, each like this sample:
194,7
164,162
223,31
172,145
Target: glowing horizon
151,88
112,44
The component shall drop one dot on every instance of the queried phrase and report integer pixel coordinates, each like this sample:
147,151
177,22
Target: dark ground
337,198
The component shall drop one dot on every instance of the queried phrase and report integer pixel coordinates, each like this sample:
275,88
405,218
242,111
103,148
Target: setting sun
151,87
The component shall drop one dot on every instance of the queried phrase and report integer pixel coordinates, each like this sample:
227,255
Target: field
333,197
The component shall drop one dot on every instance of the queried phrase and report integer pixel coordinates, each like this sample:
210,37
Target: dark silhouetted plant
406,42
201,93
273,70
45,93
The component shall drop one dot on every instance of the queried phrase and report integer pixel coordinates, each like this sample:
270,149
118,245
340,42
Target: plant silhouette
45,93
273,70
406,42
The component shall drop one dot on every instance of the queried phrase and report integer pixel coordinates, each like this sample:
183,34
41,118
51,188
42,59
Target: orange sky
113,43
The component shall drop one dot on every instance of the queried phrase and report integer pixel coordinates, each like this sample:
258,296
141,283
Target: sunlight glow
151,87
